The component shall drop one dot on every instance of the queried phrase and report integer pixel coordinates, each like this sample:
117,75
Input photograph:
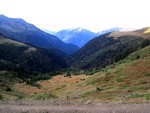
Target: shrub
46,96
1,97
68,74
90,72
108,73
146,74
8,89
98,89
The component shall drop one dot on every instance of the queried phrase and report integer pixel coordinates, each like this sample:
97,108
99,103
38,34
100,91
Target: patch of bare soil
71,107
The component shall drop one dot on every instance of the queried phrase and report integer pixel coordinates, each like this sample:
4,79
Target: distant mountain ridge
78,36
109,30
22,31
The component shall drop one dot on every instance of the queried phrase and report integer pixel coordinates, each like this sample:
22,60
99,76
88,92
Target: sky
95,15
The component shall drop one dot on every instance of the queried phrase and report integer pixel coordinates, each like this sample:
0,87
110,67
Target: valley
121,87
124,81
109,70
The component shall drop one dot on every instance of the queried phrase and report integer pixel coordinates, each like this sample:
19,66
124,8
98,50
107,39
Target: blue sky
94,15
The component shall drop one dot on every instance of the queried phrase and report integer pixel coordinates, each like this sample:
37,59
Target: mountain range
77,36
19,30
96,52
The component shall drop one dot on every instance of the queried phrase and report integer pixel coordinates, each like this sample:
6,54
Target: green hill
18,56
107,49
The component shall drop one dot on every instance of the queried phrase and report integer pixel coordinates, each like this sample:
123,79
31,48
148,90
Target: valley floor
71,107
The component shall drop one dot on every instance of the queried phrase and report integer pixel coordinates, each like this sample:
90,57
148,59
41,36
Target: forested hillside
109,48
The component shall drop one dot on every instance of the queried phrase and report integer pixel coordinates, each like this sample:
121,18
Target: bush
90,72
98,89
1,97
46,96
68,74
8,89
146,74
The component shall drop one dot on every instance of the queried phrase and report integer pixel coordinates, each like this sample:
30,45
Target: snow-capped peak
79,29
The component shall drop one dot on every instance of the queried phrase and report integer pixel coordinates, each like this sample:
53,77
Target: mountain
109,31
19,30
109,48
19,56
77,36
49,32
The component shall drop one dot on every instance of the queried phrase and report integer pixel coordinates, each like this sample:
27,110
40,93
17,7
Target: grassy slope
127,80
7,80
147,31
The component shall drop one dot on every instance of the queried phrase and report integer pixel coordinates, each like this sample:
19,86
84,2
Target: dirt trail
72,107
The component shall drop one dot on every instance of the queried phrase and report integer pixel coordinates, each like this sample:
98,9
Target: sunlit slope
147,31
127,80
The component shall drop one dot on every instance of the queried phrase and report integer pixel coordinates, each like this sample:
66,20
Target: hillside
125,81
16,55
77,36
108,48
147,31
19,30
